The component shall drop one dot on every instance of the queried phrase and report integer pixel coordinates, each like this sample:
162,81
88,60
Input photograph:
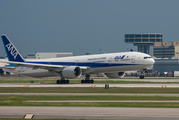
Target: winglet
11,51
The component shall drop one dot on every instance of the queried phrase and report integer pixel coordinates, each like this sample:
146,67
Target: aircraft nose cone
152,61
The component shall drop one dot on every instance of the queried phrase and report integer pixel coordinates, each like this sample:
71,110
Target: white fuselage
99,63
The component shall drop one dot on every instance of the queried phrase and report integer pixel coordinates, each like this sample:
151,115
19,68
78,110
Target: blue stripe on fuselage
90,65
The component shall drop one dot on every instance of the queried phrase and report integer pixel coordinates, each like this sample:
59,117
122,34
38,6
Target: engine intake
71,72
115,74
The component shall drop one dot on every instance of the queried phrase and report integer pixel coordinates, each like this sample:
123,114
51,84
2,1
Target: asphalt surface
89,85
91,113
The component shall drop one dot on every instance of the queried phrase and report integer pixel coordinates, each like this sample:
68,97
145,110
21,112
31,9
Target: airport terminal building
164,50
166,56
143,41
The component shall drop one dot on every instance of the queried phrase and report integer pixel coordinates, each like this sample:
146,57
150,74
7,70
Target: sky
82,26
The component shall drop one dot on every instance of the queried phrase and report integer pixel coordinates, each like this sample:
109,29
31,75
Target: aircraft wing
6,67
56,68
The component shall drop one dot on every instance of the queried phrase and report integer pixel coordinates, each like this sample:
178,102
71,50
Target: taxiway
90,112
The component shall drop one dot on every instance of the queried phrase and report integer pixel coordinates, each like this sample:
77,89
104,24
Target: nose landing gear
141,76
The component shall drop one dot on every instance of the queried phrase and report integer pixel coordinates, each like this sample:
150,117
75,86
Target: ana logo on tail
12,50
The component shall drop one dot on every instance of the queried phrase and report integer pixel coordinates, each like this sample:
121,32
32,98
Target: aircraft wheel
92,81
141,77
67,81
61,82
64,82
88,81
58,82
82,81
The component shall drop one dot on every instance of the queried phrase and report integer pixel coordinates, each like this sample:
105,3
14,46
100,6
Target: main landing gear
62,81
87,80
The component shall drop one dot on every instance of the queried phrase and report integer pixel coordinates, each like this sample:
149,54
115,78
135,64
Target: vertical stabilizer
11,51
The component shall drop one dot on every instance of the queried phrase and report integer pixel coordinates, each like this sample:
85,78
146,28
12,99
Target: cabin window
146,57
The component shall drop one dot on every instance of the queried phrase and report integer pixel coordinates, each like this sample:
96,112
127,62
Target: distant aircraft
113,64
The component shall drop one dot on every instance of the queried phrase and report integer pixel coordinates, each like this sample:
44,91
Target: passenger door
133,59
110,60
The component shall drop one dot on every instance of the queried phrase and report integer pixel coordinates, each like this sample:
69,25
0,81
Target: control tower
143,41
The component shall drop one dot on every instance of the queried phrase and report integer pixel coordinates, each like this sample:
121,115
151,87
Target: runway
89,85
90,112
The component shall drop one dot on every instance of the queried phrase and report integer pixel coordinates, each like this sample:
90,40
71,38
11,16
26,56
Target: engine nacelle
115,74
71,72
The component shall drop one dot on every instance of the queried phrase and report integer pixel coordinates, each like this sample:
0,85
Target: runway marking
164,86
26,86
28,116
93,85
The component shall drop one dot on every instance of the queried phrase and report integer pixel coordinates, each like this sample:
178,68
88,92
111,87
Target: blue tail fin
11,51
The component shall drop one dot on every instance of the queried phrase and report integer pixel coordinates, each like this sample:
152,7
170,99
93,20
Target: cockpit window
146,57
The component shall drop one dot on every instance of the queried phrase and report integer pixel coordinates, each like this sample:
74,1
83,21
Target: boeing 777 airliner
112,64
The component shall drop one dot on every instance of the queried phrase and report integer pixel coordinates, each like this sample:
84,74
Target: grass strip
4,98
18,100
97,104
88,90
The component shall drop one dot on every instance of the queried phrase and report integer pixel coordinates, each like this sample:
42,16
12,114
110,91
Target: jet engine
115,74
71,72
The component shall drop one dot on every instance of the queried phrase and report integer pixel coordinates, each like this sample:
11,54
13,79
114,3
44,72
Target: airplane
112,64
